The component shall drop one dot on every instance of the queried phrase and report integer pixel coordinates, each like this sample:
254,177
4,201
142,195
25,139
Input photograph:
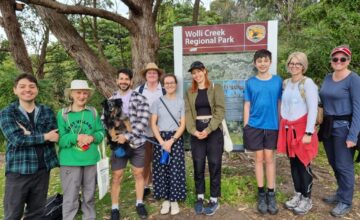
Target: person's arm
16,135
190,121
246,112
311,98
67,138
219,109
139,118
352,137
99,132
155,129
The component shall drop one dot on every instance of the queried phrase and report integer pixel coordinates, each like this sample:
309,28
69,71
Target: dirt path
324,184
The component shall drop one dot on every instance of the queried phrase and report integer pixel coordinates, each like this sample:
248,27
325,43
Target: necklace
81,123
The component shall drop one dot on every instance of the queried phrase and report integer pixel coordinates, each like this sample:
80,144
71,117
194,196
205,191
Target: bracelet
174,138
308,133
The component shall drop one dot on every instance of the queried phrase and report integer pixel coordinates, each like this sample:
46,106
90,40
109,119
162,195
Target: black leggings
212,149
302,176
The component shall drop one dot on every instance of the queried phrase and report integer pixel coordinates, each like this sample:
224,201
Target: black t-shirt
202,104
39,150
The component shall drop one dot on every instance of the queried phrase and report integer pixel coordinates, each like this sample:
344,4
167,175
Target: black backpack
53,208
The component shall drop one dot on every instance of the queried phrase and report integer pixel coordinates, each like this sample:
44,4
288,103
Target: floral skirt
169,181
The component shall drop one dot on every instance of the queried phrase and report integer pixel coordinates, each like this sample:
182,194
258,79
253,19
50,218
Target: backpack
64,112
301,85
141,89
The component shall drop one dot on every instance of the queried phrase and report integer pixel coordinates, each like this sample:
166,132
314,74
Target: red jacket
288,144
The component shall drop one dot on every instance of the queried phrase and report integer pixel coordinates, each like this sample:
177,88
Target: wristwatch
308,133
174,138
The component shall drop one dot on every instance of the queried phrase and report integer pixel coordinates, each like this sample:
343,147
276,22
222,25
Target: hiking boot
199,206
304,206
271,203
333,199
261,203
211,208
115,214
165,207
174,208
141,211
340,210
294,201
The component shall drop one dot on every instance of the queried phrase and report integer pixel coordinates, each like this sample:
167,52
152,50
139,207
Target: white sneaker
294,201
165,207
304,206
174,208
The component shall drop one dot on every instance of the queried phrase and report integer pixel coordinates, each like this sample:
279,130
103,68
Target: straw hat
77,85
151,66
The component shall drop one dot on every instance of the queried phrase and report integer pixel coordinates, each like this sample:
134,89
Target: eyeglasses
295,65
336,59
169,83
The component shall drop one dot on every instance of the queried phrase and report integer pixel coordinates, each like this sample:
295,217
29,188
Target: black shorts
259,139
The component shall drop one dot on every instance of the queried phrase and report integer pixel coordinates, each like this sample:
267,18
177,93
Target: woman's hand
167,145
306,139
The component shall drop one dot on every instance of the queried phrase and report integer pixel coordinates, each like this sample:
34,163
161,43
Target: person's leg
117,176
198,152
259,167
139,182
71,178
88,193
147,165
270,168
344,165
36,199
16,190
295,173
306,177
214,151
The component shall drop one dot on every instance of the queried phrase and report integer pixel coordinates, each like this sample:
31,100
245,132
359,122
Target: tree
140,25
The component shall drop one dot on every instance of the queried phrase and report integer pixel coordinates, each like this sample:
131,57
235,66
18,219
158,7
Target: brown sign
225,38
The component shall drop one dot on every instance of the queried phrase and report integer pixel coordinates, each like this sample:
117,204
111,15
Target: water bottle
165,157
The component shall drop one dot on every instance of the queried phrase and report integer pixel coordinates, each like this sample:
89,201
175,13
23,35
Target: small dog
115,122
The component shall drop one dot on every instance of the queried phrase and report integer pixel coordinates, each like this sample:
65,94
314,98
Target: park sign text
225,38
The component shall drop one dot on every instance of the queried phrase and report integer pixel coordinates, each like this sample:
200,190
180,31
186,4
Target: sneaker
165,207
174,208
141,211
211,208
261,203
304,206
199,206
271,203
115,214
333,199
294,201
147,192
340,210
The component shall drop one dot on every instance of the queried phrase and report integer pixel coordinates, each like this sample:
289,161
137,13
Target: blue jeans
341,160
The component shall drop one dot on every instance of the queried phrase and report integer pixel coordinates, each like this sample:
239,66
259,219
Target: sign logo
255,33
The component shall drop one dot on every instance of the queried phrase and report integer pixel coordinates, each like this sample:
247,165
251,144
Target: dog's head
112,105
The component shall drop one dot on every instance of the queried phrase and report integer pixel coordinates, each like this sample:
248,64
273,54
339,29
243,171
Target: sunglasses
342,59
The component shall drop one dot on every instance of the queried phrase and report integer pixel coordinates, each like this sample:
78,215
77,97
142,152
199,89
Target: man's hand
350,144
121,139
52,136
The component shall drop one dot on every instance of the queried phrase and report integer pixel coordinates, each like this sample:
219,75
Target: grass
238,187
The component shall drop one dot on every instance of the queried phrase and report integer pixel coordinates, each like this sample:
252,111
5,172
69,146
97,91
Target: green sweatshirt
83,122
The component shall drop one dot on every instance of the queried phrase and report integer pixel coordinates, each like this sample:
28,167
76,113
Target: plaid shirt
139,114
21,154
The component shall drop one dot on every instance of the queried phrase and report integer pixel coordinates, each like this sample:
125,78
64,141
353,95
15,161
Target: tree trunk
145,42
98,71
42,57
195,17
14,36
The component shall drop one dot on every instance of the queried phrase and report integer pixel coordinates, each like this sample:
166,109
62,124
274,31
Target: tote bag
228,144
103,168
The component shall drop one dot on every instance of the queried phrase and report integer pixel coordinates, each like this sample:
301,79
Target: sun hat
151,66
77,85
343,49
196,65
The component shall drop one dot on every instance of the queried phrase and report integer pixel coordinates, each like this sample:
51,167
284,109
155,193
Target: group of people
283,116
278,115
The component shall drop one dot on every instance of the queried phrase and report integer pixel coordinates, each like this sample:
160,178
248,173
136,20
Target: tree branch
156,9
1,22
78,9
135,9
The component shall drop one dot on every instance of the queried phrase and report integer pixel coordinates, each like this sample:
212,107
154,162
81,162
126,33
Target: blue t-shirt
263,96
